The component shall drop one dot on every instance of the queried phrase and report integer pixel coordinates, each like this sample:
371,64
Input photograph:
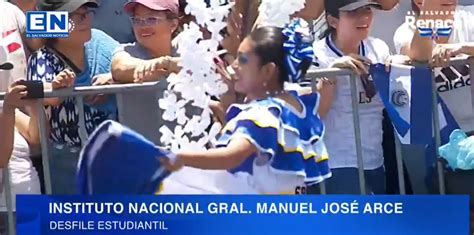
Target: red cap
157,5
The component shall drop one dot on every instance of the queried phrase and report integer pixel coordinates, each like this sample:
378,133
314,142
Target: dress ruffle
292,139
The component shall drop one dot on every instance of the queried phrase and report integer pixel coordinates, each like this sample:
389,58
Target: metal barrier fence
121,92
316,74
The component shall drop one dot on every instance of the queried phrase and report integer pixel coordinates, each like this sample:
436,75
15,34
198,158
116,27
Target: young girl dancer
273,143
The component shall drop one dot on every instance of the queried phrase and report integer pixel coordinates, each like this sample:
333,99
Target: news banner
232,214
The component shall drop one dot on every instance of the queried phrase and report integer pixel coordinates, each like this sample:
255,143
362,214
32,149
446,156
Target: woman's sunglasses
147,21
79,18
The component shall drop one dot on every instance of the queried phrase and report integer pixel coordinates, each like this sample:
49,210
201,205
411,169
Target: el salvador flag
406,92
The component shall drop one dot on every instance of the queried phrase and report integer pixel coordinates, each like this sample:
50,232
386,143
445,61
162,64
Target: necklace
275,93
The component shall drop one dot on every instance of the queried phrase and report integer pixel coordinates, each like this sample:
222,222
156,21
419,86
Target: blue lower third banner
225,215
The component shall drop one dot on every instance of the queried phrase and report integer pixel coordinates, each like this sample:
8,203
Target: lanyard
338,52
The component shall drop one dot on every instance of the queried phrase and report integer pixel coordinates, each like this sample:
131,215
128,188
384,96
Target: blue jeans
346,181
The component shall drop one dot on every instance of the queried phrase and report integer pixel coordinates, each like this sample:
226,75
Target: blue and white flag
407,95
118,160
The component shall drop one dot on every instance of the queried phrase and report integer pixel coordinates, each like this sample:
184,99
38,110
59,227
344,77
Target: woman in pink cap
148,59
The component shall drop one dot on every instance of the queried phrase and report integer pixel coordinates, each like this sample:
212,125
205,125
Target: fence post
358,141
322,185
470,61
8,200
44,137
82,119
399,158
437,133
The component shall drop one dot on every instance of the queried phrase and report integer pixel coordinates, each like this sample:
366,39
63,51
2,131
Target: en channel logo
48,24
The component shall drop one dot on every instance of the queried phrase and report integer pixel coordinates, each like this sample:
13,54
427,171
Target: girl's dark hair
268,46
329,29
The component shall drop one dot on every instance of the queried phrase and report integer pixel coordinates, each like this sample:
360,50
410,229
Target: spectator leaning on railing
82,59
348,45
19,133
452,82
145,60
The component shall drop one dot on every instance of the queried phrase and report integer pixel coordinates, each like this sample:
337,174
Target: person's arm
326,88
28,126
63,78
421,48
468,48
128,69
225,158
218,111
12,100
7,128
249,11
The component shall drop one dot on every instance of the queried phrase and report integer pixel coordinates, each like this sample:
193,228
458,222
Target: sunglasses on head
369,85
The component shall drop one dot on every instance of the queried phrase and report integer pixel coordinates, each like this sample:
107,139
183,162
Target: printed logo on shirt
48,24
399,98
433,28
453,77
9,38
300,190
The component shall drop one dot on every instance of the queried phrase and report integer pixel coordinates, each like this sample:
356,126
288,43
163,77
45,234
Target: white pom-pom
278,13
197,80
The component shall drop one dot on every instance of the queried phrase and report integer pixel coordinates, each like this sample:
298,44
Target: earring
266,89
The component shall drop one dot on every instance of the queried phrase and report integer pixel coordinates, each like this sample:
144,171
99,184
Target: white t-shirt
12,25
23,176
453,82
339,135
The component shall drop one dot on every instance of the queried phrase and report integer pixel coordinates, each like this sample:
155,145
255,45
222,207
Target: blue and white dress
291,153
291,150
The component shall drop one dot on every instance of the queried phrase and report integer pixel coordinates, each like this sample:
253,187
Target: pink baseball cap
157,5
